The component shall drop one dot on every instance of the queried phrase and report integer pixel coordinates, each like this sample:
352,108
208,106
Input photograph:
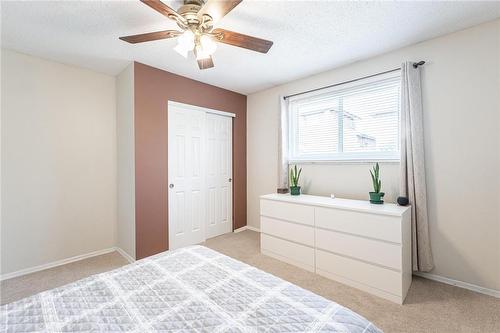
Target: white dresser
354,242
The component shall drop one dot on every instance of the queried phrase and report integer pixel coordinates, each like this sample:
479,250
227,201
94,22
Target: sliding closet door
219,175
186,177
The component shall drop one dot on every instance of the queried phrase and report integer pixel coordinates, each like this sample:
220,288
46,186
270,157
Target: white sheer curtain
283,144
413,183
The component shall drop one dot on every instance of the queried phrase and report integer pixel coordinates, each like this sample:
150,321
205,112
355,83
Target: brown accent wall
153,88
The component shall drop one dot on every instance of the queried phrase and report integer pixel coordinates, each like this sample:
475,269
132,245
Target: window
357,121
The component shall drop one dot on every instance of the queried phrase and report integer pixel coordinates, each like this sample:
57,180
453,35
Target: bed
193,289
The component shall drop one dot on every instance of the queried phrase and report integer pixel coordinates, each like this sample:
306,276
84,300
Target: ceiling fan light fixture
185,43
201,53
208,44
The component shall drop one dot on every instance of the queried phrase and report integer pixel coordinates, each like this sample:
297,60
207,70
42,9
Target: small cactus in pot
376,197
294,180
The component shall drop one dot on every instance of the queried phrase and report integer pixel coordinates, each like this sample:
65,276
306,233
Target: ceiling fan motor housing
189,11
194,2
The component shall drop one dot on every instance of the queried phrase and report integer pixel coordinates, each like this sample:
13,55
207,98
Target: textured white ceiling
309,36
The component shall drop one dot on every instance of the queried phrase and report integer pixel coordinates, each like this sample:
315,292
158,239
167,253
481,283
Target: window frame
343,157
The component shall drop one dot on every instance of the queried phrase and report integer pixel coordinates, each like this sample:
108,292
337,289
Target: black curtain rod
415,65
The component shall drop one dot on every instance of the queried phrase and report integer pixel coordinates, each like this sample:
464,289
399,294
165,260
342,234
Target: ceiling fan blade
205,63
217,9
151,36
244,41
163,9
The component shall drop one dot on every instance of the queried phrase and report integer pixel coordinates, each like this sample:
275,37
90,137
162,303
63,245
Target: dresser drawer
287,211
375,251
377,226
292,253
359,273
290,231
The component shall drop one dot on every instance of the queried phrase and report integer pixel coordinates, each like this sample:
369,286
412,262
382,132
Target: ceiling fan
196,19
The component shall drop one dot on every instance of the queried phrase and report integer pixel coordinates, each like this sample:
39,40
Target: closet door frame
200,109
188,108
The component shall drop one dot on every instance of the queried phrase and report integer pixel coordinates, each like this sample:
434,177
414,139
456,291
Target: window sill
347,161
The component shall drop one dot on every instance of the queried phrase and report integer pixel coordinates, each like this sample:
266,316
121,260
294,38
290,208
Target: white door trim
200,109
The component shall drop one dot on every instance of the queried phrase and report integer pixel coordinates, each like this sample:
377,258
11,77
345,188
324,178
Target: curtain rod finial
416,64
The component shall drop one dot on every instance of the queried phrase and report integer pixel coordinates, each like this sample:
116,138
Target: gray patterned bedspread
193,289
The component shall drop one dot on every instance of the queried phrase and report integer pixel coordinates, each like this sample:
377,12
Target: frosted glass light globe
185,43
208,44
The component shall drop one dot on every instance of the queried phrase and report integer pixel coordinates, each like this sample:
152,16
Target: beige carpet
430,306
27,285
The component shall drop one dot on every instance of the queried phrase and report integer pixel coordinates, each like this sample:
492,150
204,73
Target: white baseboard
457,283
461,284
240,229
55,264
247,227
125,255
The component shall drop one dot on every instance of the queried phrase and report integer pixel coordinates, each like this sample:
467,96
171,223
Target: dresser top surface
347,204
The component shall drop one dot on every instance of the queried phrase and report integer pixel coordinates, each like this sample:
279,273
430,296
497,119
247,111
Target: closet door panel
186,177
219,174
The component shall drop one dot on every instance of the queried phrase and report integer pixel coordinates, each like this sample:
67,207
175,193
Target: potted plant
294,180
376,197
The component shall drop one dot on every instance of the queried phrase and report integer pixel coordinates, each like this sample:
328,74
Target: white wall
461,92
58,161
126,160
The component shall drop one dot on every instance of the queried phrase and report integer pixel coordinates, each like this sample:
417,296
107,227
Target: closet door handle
171,185
230,180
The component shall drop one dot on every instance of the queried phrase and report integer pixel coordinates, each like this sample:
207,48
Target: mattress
193,289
